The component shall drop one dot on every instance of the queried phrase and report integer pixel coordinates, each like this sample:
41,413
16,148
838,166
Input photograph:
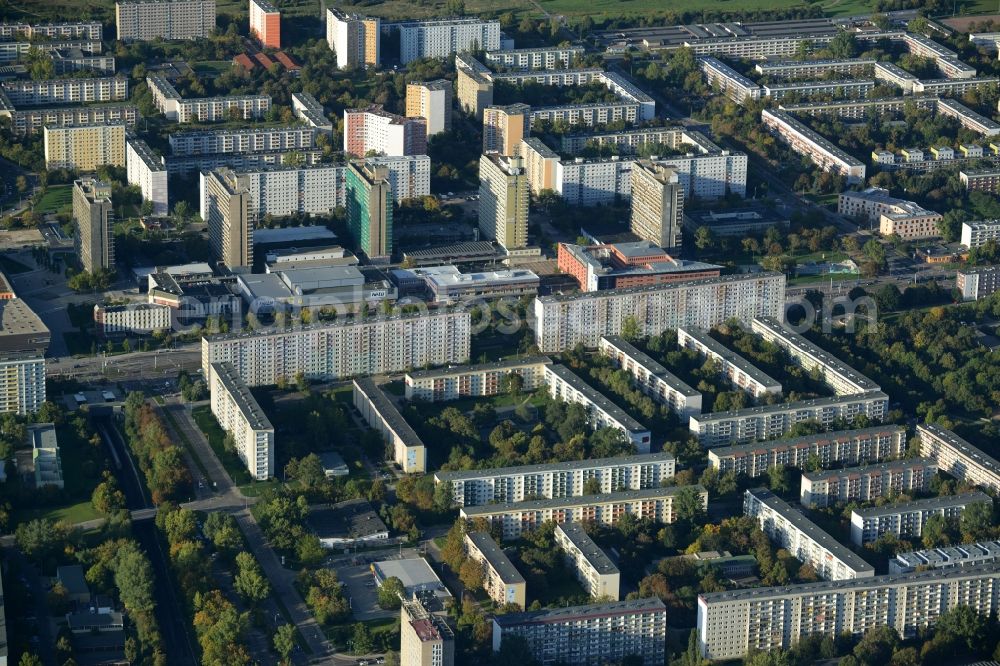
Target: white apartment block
946,557
907,519
430,100
788,527
241,417
374,129
84,147
135,318
240,141
849,88
65,91
657,504
204,109
540,58
853,447
507,485
29,121
770,421
11,51
731,83
409,175
185,164
904,218
966,117
795,69
501,580
91,30
593,568
585,634
308,109
804,141
629,141
740,372
347,348
281,191
958,457
977,234
356,41
590,115
381,414
562,321
445,37
946,60
977,283
865,484
146,20
839,377
148,172
953,86
486,379
22,383
733,623
895,75
652,378
565,385
582,182
861,108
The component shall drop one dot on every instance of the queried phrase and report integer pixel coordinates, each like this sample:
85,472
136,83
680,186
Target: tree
28,659
284,641
936,532
362,641
134,580
689,504
390,593
703,238
876,646
107,498
514,651
38,538
592,486
471,575
250,582
513,383
976,522
630,329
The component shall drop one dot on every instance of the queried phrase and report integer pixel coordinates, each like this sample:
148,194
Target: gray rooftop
241,395
387,411
810,529
415,573
834,586
517,362
816,403
340,323
963,447
576,613
595,557
497,559
952,556
905,463
587,500
929,504
615,293
715,347
598,400
569,465
647,362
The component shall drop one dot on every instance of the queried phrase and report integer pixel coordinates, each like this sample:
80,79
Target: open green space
213,66
12,266
71,514
816,279
55,199
216,437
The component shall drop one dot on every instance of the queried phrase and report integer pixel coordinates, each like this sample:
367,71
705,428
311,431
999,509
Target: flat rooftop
387,411
807,440
650,365
721,280
505,364
595,557
810,529
17,319
291,234
354,519
577,613
415,574
861,470
929,504
815,403
569,465
241,395
497,559
599,400
719,349
585,500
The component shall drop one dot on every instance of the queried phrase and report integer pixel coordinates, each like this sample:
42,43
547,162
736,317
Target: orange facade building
265,23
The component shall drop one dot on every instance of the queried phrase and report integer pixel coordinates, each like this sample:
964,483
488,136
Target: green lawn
828,256
74,513
12,266
213,66
811,279
216,436
55,199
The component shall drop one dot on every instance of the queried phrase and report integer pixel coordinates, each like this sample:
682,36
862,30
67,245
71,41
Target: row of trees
161,461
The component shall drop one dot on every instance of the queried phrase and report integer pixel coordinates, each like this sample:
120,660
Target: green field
72,514
216,436
55,200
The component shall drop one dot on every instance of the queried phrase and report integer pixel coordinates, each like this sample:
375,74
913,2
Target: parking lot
359,584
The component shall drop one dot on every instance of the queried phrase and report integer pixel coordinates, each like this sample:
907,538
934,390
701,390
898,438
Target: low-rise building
502,581
347,524
46,462
652,378
980,180
866,445
241,417
485,379
946,557
579,635
308,109
866,483
630,264
907,519
565,385
978,282
803,539
381,414
958,457
740,372
134,318
771,421
447,284
594,569
899,217
557,480
806,142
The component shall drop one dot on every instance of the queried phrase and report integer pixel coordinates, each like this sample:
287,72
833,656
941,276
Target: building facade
95,216
368,197
52,92
486,379
503,200
505,127
356,41
225,208
652,378
22,382
979,282
430,100
148,172
741,373
265,23
135,318
907,519
501,580
958,457
865,484
84,147
425,638
657,204
557,480
444,37
146,20
593,568
374,129
241,417
898,217
381,414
